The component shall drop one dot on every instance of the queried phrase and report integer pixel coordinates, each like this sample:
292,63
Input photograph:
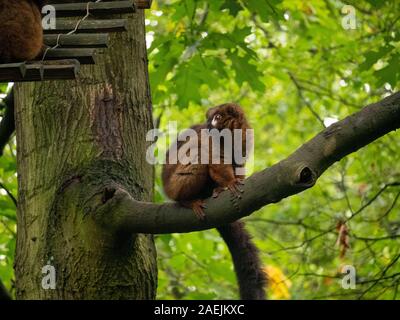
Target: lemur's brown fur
21,33
191,183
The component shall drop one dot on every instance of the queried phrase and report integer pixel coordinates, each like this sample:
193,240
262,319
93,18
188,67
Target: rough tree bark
73,138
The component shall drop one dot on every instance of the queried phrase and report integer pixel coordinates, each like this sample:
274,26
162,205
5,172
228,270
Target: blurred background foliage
295,69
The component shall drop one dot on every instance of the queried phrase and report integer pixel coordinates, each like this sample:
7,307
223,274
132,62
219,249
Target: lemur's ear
233,110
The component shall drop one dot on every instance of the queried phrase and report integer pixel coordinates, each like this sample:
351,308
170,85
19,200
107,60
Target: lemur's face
226,116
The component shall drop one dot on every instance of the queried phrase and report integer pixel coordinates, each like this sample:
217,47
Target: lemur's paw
217,191
235,202
198,207
235,189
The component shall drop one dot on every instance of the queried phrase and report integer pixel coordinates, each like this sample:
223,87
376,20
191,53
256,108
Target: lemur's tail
248,268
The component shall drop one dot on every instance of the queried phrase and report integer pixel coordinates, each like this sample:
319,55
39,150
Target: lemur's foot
217,191
235,189
235,202
197,206
232,187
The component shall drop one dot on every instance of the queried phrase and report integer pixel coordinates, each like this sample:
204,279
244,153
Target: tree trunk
75,139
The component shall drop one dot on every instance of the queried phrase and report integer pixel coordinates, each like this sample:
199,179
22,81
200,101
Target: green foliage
254,53
3,88
8,180
283,61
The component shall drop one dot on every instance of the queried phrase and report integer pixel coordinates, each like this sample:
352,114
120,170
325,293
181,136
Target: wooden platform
69,47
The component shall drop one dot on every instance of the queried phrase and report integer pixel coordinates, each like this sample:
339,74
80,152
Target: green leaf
187,85
377,3
190,77
266,9
390,73
246,72
184,8
3,87
229,41
233,6
372,57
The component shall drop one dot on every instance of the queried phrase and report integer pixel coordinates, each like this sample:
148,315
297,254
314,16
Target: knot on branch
306,177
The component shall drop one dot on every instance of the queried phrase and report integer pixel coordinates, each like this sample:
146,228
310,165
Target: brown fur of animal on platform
21,33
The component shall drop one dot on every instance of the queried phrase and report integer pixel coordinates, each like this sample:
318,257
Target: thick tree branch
116,209
7,124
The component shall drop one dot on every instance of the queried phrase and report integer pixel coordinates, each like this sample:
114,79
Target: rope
72,31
